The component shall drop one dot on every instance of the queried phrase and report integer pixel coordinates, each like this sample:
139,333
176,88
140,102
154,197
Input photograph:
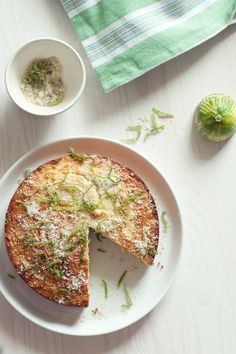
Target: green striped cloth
125,38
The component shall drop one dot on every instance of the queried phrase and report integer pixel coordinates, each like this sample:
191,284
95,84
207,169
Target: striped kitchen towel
125,38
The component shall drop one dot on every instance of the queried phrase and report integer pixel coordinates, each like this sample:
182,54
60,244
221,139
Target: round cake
53,210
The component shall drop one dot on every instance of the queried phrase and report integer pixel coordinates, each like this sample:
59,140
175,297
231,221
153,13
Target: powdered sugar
77,280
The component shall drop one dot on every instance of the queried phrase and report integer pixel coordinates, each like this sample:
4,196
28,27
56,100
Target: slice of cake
51,213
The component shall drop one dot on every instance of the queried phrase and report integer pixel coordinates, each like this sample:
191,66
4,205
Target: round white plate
146,285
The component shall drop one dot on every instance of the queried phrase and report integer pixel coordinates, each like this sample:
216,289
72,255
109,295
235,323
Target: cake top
53,210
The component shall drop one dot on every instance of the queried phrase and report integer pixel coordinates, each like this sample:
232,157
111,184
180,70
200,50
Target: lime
215,117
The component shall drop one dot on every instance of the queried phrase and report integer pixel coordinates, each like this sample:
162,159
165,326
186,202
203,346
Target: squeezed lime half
215,117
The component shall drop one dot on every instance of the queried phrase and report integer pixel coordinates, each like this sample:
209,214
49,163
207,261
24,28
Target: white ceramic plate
147,286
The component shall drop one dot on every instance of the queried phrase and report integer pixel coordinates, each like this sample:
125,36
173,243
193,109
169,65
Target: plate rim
22,311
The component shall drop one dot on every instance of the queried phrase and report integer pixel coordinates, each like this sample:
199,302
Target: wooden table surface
198,315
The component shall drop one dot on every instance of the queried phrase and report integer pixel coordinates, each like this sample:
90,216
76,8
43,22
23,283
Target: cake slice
51,213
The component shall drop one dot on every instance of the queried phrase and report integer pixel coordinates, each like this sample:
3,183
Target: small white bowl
73,74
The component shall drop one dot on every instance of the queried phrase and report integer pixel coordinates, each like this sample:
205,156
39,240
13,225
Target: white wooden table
198,315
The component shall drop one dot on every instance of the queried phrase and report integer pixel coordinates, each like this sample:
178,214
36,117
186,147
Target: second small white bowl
73,74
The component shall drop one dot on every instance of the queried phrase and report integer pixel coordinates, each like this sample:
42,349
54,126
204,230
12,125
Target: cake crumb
95,311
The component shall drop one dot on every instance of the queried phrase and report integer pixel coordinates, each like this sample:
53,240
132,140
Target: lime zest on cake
73,153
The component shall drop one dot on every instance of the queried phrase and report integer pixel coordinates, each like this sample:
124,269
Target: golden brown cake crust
50,214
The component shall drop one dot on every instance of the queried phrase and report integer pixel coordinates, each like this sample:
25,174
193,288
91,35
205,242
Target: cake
52,212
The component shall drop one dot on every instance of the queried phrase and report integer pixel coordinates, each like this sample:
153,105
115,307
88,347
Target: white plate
147,286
